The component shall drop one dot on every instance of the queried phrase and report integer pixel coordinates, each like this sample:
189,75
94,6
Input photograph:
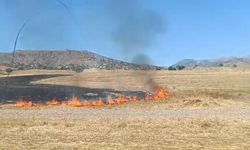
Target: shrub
221,65
195,66
8,70
180,67
171,68
20,68
78,69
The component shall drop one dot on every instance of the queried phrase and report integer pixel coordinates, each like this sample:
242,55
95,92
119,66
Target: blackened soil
13,89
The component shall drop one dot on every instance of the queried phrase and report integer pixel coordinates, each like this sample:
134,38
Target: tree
180,67
221,65
195,66
78,69
8,70
234,66
171,68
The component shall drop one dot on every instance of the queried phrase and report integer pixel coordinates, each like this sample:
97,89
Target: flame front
74,102
97,103
53,102
159,94
121,100
110,101
23,103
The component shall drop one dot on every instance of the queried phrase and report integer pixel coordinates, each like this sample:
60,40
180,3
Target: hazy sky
165,30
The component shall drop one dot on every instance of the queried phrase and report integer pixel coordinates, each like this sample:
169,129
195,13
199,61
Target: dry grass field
208,109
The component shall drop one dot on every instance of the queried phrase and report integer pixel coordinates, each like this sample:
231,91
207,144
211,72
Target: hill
243,62
66,60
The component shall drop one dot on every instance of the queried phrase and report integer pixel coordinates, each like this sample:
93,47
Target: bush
171,68
195,66
78,69
8,70
180,67
20,68
221,65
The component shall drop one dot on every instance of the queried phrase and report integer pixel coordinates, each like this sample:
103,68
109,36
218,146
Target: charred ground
16,88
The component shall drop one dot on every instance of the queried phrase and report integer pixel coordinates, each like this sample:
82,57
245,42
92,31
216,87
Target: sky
165,31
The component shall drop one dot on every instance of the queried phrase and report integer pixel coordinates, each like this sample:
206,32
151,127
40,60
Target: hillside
66,60
243,62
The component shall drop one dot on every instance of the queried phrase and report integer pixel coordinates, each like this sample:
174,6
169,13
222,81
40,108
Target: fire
159,94
23,103
121,100
74,102
97,103
53,102
110,101
133,99
86,103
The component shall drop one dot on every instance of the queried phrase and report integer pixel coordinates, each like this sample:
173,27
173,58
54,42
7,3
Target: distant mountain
243,62
66,60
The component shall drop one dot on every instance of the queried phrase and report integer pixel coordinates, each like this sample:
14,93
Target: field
208,109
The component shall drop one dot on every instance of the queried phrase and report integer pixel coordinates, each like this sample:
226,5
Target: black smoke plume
137,28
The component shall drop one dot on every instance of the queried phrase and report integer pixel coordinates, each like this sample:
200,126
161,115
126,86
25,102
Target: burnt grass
13,89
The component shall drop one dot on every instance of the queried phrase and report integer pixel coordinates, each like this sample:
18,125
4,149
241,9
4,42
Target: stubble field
208,109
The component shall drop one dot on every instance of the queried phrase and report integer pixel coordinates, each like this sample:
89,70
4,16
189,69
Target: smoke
134,27
137,28
141,59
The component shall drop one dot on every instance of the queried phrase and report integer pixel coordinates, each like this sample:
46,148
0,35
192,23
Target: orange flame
121,100
160,94
53,102
97,103
23,103
74,102
133,99
85,103
110,101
